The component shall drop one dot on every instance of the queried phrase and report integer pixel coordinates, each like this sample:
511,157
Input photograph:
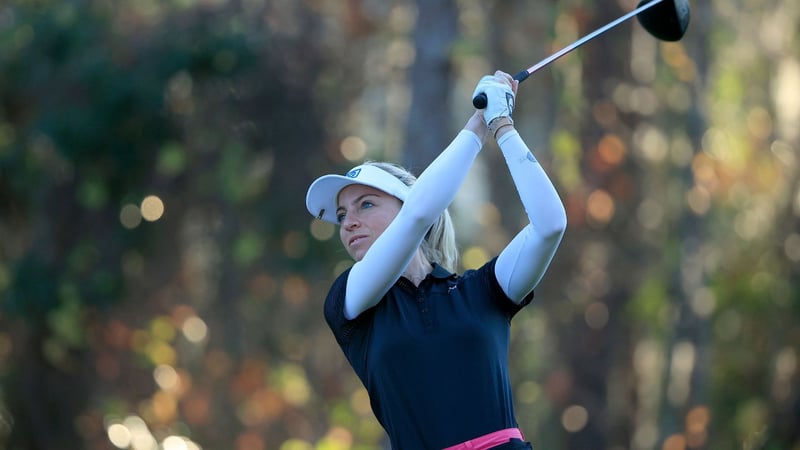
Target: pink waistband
489,440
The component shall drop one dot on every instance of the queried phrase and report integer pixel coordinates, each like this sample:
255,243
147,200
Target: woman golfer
431,346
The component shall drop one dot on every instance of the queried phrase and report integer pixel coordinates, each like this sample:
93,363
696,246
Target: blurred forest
162,283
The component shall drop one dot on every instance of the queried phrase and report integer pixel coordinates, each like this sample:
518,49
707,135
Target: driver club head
667,20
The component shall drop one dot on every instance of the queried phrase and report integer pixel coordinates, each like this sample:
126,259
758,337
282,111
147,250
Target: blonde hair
439,245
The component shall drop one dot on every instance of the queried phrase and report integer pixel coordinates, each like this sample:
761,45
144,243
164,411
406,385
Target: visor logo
353,173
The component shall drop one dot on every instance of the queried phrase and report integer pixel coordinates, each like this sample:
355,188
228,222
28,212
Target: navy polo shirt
433,358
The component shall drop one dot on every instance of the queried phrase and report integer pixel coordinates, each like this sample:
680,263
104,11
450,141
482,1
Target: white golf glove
499,96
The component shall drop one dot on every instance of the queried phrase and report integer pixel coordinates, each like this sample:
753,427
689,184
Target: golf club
666,20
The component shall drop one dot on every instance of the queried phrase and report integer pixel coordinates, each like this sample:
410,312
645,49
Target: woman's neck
418,268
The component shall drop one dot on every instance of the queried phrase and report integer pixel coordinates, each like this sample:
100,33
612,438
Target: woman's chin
357,252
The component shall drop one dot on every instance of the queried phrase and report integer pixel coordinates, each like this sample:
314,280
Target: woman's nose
350,222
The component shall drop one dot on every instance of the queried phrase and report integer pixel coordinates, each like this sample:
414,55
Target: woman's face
364,213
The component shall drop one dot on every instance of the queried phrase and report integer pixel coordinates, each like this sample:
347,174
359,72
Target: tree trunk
687,377
429,129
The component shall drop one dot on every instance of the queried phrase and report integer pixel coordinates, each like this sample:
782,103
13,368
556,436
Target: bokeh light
360,403
651,143
674,442
166,377
728,325
295,290
574,418
488,215
697,420
296,444
474,257
119,435
401,53
681,365
195,329
141,436
295,244
161,328
675,55
650,213
759,122
596,315
791,247
162,408
353,148
174,443
260,407
152,208
699,200
160,352
612,149
291,381
529,392
600,207
321,230
645,435
250,441
130,216
703,302
337,438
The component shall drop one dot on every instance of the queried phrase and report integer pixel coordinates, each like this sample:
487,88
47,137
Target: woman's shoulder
334,301
342,277
484,280
487,269
333,310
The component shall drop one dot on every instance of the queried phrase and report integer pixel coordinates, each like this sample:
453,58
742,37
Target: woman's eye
366,205
340,217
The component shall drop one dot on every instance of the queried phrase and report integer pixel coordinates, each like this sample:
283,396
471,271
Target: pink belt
489,440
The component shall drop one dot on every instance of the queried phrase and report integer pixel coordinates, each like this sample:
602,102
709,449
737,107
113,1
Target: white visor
322,196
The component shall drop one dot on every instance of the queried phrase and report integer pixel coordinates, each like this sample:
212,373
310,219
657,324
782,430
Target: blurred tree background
162,283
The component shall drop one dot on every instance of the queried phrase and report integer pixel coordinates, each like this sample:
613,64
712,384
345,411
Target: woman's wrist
500,125
477,125
503,129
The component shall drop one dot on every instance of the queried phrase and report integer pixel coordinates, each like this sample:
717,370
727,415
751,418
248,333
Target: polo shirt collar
440,272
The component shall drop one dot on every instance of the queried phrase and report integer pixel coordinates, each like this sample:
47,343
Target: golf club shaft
480,100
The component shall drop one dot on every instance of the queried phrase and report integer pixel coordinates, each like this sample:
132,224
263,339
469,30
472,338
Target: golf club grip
480,100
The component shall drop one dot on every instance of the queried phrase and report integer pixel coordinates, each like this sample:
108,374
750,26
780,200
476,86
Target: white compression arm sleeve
523,262
389,255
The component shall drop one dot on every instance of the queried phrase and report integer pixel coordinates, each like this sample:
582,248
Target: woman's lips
356,239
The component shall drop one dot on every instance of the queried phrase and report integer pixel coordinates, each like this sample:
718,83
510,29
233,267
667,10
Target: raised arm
523,262
433,191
